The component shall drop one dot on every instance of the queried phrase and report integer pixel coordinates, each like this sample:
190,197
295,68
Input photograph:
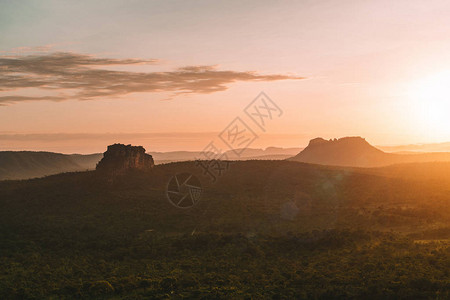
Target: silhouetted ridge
357,152
30,164
316,141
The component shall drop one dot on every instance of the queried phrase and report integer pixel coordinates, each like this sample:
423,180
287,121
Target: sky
76,76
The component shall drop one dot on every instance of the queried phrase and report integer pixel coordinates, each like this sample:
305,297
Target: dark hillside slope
86,161
251,196
27,164
265,229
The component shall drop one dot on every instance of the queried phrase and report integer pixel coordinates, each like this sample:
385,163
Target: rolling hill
265,229
30,164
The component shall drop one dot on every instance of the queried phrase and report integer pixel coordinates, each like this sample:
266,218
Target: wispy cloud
81,77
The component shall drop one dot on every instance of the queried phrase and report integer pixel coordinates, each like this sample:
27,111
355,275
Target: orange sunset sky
76,76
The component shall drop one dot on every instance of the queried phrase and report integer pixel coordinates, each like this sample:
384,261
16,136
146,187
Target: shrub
101,287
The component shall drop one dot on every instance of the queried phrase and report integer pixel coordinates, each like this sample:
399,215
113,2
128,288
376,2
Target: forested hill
264,230
29,164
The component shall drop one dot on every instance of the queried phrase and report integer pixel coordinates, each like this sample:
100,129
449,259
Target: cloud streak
84,77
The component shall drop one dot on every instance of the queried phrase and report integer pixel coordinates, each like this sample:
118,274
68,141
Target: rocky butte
119,158
357,152
346,151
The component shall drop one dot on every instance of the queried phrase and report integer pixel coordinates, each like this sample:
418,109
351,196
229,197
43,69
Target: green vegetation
266,229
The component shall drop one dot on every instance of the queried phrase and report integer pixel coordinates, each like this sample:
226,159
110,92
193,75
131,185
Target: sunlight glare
430,104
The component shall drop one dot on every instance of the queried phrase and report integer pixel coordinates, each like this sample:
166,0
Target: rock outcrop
119,159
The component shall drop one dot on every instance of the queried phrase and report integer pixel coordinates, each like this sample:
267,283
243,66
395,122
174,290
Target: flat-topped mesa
352,151
344,140
120,158
317,141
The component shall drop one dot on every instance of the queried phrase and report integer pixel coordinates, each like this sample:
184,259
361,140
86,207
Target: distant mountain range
434,147
348,151
29,164
270,153
357,152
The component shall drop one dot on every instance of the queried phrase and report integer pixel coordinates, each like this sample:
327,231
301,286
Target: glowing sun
429,100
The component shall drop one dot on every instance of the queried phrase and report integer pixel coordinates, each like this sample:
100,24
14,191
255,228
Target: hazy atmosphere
225,149
77,72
